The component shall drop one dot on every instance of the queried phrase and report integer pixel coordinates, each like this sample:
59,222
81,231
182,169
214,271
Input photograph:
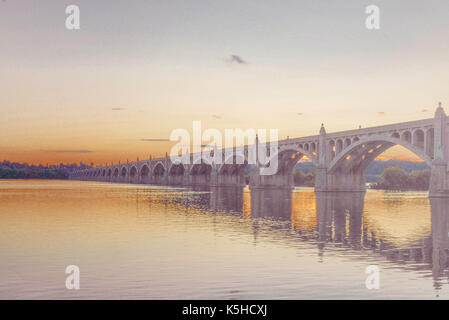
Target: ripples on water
148,242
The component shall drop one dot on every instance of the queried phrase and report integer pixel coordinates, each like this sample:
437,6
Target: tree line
15,170
392,178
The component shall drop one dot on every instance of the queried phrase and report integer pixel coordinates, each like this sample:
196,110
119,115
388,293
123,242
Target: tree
397,179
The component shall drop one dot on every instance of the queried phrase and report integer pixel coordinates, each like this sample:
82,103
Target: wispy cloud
69,151
154,140
117,109
236,59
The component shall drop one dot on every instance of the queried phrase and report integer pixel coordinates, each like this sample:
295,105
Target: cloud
216,116
117,109
381,113
154,140
69,151
236,59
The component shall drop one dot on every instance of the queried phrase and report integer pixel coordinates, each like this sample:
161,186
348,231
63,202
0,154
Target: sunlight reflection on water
149,242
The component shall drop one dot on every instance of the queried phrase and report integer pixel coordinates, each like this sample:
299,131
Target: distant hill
375,169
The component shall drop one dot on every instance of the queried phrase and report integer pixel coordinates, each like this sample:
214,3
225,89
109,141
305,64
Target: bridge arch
232,171
361,153
287,157
133,171
238,159
159,172
176,173
123,174
406,136
133,176
287,153
145,174
200,172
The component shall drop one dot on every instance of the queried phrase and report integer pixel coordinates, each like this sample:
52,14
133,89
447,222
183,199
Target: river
154,242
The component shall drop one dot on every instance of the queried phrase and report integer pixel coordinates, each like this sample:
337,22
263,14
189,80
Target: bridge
340,158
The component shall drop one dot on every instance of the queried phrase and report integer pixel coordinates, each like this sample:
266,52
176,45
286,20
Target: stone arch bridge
341,159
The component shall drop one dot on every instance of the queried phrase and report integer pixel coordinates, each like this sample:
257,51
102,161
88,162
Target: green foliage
394,178
12,170
301,179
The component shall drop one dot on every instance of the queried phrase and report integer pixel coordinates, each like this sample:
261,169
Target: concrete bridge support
439,179
282,178
349,178
231,175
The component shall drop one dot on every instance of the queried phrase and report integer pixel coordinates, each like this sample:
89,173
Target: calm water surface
149,242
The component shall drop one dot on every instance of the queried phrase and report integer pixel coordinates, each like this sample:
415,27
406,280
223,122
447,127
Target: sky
136,70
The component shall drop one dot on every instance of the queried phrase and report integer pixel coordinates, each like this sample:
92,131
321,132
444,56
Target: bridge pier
352,181
439,178
275,181
347,179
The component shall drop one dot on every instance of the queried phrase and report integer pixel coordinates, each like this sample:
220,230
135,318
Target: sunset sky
136,70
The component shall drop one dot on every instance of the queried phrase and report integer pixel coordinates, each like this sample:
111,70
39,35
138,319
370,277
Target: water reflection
226,199
158,242
440,243
271,203
338,219
330,220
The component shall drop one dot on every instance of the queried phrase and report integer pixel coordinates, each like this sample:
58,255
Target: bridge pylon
439,179
349,180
